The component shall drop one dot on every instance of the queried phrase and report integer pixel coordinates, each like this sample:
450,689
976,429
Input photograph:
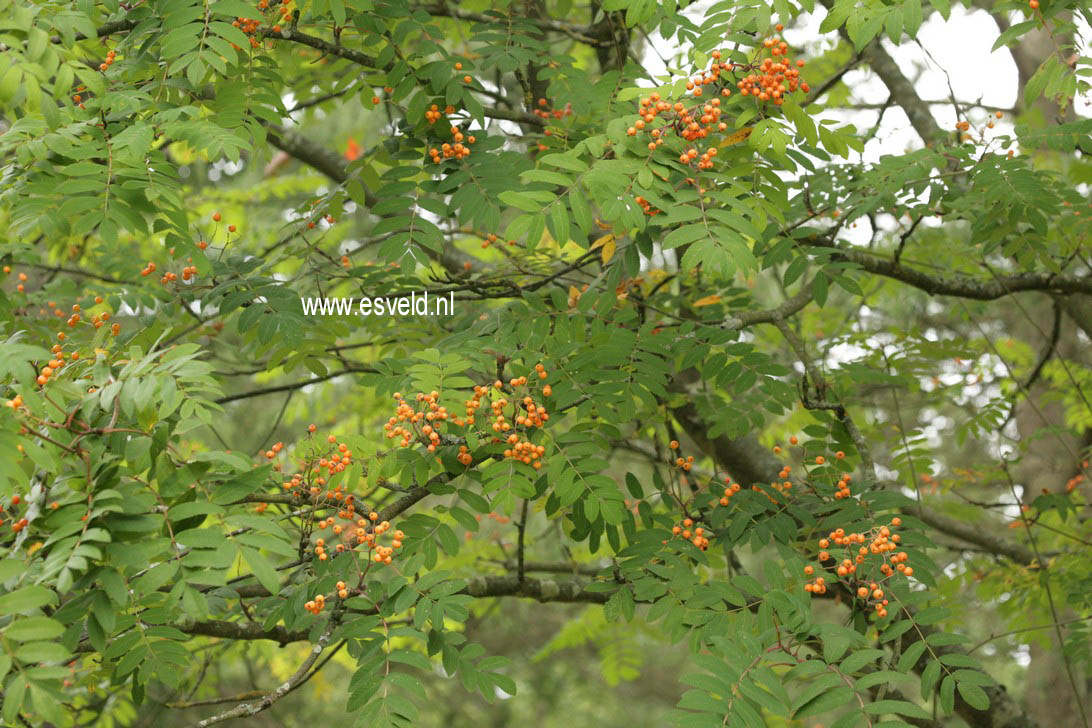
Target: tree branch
959,285
292,386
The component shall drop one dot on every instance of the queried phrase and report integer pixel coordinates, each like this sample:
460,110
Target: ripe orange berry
216,217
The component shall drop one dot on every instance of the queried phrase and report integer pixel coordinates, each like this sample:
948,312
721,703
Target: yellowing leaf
602,241
608,250
707,301
736,137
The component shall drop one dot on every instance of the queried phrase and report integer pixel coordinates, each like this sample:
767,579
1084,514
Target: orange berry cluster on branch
457,149
775,76
646,206
424,425
730,490
431,414
771,79
315,605
52,367
1077,479
110,55
843,487
433,114
699,536
250,25
543,110
335,459
272,453
856,549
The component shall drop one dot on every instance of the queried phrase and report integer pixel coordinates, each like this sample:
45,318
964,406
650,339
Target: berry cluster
431,413
646,206
681,462
856,550
1076,480
699,536
458,150
365,534
264,5
275,450
775,76
45,373
433,114
336,459
511,419
109,60
250,26
18,524
769,80
543,111
77,98
349,528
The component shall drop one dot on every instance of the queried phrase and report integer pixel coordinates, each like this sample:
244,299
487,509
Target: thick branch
543,590
962,286
240,631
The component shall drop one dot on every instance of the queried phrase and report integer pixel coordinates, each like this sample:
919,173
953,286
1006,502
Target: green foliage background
927,314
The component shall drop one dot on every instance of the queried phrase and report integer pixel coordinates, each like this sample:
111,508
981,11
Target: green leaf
899,707
947,694
911,17
929,677
29,629
830,699
857,660
25,599
975,696
263,570
910,656
520,201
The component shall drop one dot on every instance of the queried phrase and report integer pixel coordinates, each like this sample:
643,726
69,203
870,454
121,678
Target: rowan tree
783,431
